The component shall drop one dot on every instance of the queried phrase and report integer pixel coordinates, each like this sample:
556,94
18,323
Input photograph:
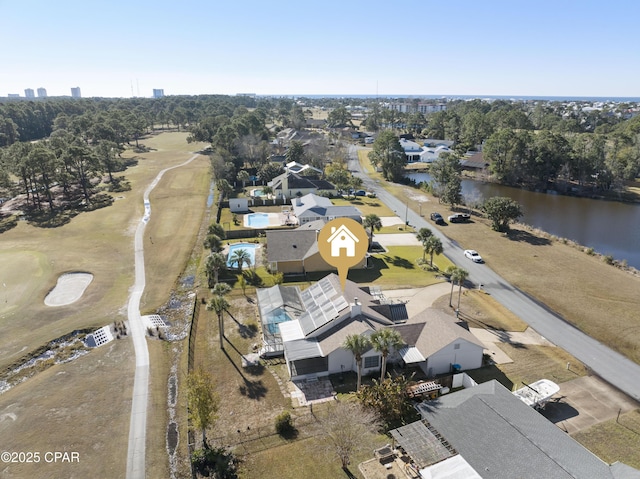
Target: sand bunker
69,289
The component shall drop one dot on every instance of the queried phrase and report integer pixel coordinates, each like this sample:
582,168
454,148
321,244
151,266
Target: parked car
361,193
459,218
473,255
437,218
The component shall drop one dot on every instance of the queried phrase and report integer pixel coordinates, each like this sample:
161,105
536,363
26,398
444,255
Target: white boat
537,394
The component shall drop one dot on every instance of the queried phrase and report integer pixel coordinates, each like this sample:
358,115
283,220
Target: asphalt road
138,423
611,366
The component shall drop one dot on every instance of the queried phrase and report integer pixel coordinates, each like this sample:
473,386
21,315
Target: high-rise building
158,93
42,92
13,95
28,93
75,92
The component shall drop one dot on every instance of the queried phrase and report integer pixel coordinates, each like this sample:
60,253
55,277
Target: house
437,344
487,432
342,239
412,150
429,155
312,207
280,304
313,343
474,161
290,184
296,167
296,251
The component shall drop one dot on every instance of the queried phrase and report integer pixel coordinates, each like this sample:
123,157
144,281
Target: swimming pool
250,248
257,193
274,318
257,220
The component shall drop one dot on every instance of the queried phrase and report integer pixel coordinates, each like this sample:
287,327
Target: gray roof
290,245
440,331
503,438
302,349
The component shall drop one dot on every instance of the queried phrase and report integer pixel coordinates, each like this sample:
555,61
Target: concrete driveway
396,239
586,401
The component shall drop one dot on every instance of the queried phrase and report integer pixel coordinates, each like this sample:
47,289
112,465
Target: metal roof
423,444
411,355
302,349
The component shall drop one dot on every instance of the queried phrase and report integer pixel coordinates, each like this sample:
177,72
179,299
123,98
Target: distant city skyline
483,49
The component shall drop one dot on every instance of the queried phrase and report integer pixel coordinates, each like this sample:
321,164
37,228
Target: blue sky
121,48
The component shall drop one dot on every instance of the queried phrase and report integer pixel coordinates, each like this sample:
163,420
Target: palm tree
267,191
462,276
383,340
243,175
358,345
240,257
224,187
216,262
456,275
372,221
423,235
432,246
219,305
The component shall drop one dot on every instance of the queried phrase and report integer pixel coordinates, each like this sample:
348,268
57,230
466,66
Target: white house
411,149
312,207
342,238
435,342
429,155
313,343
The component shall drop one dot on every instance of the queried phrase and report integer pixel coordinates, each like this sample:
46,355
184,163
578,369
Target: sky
127,48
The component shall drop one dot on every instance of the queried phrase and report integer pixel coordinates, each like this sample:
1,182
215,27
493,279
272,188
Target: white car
473,255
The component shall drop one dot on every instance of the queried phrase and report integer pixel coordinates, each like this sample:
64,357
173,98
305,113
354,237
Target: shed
239,205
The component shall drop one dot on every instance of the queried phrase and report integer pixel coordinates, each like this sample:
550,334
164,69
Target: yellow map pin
343,243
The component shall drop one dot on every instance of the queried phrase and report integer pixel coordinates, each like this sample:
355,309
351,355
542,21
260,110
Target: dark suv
437,218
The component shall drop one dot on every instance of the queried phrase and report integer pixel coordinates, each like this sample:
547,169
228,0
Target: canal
609,227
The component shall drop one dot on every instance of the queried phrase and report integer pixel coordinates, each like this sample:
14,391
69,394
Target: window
456,346
371,362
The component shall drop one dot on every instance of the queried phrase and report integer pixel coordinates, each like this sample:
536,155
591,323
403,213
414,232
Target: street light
420,204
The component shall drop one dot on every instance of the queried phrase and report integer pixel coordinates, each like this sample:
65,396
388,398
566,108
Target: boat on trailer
537,394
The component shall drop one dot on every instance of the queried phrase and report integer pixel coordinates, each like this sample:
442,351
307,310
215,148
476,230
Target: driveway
396,239
586,401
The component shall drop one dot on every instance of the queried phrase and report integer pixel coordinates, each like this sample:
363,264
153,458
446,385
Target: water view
609,227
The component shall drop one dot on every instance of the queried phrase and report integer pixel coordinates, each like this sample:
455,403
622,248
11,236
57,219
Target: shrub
284,424
590,251
608,259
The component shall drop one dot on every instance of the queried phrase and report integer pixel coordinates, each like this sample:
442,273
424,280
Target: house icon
342,238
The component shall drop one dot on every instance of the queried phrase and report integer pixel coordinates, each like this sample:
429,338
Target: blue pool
276,317
258,220
248,247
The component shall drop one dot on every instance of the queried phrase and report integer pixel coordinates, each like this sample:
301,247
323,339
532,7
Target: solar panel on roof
340,303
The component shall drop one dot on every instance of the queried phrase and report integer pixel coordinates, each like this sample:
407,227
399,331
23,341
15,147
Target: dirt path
138,423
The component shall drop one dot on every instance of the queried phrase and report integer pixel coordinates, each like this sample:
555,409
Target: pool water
258,220
248,247
276,317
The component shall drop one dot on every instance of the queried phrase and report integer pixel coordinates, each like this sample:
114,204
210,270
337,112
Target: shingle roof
290,245
440,331
503,438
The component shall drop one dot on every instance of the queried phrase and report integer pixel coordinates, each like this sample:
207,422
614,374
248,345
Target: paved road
603,361
138,423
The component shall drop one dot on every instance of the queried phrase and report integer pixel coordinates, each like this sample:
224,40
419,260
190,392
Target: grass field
90,411
100,242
